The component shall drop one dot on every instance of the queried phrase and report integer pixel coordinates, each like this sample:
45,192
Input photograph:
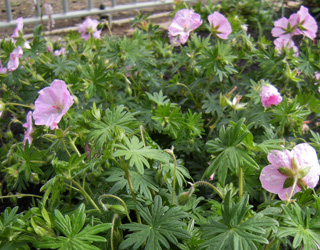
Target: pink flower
282,42
270,96
18,30
317,75
182,24
29,131
14,59
52,104
307,24
89,27
220,25
62,51
286,28
3,70
302,162
211,177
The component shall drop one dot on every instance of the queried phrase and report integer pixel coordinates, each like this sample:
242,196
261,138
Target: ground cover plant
202,136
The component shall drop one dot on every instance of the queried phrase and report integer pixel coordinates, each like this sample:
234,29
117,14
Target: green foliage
137,154
75,233
163,226
239,228
231,153
302,225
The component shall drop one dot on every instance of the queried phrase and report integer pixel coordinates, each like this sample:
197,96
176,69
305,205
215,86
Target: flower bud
183,198
8,135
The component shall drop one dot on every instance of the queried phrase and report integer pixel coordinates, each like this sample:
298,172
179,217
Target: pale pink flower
270,96
3,70
307,24
52,104
13,63
29,131
89,27
220,25
286,28
211,177
317,75
182,24
59,52
302,156
19,29
282,42
26,45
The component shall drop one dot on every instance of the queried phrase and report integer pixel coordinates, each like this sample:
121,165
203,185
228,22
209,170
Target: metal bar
38,9
8,8
93,11
65,6
90,4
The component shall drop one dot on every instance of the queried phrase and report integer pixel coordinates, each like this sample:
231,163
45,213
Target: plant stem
85,194
170,151
295,181
19,104
115,216
20,196
211,186
132,193
240,182
119,199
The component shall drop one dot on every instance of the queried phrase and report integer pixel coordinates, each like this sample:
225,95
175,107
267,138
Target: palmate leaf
137,153
170,119
75,236
115,124
299,224
162,226
231,153
237,229
142,183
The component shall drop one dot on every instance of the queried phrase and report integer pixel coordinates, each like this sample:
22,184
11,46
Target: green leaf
231,152
114,125
162,226
137,154
237,229
301,225
76,234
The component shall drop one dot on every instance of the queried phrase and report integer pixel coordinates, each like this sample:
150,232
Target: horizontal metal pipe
94,11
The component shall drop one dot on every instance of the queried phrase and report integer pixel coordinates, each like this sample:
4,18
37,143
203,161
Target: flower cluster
300,23
186,21
89,28
290,171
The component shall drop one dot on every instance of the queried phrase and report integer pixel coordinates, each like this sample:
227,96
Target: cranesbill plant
201,136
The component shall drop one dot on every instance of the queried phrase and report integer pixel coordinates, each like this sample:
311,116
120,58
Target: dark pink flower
282,42
52,104
182,24
29,131
270,96
220,25
302,162
13,63
19,29
307,24
89,27
286,28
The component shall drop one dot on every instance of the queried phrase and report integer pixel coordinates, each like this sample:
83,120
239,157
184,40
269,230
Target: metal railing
80,13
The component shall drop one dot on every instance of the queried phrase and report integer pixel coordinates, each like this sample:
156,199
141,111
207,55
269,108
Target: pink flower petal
52,104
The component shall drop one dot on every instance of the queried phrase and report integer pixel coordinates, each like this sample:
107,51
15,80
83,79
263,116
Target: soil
27,8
